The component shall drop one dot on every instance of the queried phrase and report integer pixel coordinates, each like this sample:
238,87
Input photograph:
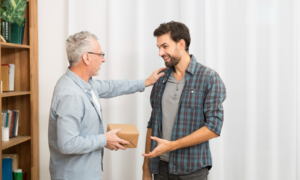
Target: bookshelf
25,97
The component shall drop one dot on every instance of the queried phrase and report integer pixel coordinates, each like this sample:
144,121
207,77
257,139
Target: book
6,30
11,77
7,168
5,68
6,120
11,129
24,175
2,117
15,158
16,123
9,118
3,32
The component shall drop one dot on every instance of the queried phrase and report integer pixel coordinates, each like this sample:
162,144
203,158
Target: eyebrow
162,44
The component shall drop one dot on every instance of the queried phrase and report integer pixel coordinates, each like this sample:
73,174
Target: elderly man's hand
113,141
155,76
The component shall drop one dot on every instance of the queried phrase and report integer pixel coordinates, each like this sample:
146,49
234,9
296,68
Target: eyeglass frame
100,54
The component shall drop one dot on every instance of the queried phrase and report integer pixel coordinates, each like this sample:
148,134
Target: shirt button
91,99
101,125
100,154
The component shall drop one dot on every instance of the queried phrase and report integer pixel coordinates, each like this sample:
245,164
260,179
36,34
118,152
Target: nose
161,52
103,59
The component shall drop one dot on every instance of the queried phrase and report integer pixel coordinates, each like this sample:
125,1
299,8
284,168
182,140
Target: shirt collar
192,66
81,83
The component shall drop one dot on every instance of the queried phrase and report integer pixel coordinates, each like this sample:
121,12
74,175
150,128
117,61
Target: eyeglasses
100,54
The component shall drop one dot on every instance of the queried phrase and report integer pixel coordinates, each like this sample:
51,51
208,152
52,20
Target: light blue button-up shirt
76,134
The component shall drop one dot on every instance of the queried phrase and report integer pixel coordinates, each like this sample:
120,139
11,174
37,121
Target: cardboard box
128,132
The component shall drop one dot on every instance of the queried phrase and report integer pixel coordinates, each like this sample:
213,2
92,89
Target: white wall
53,29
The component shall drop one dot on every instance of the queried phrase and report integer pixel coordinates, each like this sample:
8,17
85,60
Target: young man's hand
162,147
154,77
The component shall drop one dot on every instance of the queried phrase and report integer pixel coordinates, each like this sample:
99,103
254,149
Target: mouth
166,58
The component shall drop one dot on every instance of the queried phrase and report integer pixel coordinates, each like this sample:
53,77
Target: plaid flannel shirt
200,105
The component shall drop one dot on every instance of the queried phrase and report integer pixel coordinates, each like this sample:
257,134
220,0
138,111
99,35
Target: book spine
6,31
3,29
9,31
12,124
17,123
7,115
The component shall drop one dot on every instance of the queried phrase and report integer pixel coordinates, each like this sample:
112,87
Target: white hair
78,44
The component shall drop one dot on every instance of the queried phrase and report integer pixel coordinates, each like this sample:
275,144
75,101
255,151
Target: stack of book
6,31
12,32
10,119
8,77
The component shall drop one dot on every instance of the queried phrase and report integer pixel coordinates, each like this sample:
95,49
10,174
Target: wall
53,29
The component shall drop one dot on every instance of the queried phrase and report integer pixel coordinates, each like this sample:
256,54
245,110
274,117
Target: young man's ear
86,58
181,44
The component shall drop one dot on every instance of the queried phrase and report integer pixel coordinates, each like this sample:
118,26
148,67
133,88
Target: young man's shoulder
202,70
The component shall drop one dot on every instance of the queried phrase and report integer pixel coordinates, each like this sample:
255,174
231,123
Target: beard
173,61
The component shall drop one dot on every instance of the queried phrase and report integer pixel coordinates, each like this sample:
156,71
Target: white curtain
252,44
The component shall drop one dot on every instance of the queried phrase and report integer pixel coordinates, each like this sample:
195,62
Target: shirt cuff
141,85
102,140
215,126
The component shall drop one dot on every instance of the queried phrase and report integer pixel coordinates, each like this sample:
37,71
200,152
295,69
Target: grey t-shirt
170,105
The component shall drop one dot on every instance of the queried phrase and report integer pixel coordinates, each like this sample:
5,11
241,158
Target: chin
97,73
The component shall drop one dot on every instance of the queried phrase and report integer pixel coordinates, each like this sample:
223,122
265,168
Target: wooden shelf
25,98
14,93
11,45
14,141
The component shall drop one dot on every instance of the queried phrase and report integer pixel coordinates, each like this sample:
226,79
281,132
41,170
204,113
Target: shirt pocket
193,98
91,120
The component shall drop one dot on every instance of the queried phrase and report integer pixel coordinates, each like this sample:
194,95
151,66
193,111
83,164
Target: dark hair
178,31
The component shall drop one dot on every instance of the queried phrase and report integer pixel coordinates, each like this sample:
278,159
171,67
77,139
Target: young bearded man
186,113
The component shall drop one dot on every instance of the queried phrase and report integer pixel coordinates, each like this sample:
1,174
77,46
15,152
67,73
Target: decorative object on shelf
2,39
5,134
12,11
18,174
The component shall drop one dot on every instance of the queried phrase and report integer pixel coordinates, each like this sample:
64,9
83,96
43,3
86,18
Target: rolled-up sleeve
69,140
213,108
113,88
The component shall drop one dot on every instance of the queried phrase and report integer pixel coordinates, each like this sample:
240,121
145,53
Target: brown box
128,132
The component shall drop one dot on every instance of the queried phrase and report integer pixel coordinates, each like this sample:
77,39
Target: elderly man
76,135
